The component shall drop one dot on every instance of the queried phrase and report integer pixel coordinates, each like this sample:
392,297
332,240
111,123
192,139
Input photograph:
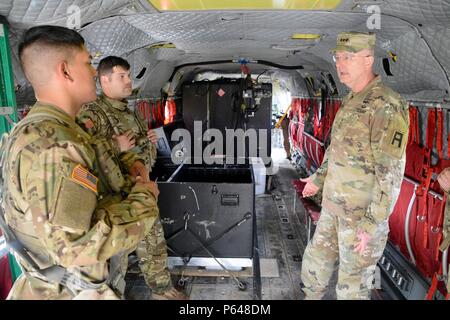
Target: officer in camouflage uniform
361,176
50,195
444,182
110,119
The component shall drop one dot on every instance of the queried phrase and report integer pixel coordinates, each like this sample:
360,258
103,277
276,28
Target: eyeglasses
346,57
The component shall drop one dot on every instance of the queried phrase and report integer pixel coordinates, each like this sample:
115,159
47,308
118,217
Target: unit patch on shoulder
397,140
84,177
394,143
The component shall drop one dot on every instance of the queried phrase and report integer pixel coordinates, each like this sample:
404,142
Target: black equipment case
207,210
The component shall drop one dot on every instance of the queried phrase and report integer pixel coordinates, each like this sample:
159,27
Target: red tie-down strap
300,129
448,134
413,134
427,174
317,122
417,156
440,131
430,135
293,133
143,109
152,113
327,121
295,108
159,113
304,107
436,229
429,259
149,114
431,128
433,287
425,217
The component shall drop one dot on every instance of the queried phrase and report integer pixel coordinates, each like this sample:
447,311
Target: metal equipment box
208,211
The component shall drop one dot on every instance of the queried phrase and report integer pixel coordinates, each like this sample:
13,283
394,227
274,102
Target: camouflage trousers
331,248
152,254
29,287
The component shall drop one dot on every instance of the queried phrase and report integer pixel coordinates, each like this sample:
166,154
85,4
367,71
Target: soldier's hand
152,136
363,238
125,141
138,170
444,179
310,188
151,185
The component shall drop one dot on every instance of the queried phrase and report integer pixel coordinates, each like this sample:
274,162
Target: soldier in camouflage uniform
361,176
110,119
50,195
444,182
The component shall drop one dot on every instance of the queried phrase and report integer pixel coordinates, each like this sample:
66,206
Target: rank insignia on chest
89,124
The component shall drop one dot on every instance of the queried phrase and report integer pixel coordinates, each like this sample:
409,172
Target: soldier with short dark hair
51,195
110,119
361,176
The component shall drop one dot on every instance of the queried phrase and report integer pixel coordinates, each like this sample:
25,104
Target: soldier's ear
63,70
369,61
103,79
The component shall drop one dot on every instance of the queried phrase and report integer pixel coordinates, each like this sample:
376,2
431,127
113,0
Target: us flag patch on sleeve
85,178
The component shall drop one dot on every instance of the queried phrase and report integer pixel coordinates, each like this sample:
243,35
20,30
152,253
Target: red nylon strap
148,114
426,186
448,134
413,135
433,287
431,128
316,119
440,130
154,114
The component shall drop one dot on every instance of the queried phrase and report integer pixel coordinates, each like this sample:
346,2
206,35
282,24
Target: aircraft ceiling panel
439,40
114,36
261,35
26,13
419,11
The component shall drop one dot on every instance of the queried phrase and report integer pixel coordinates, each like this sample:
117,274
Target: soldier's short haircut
50,37
106,65
43,46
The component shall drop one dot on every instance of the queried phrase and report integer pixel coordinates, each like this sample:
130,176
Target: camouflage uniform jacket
51,202
363,167
106,117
